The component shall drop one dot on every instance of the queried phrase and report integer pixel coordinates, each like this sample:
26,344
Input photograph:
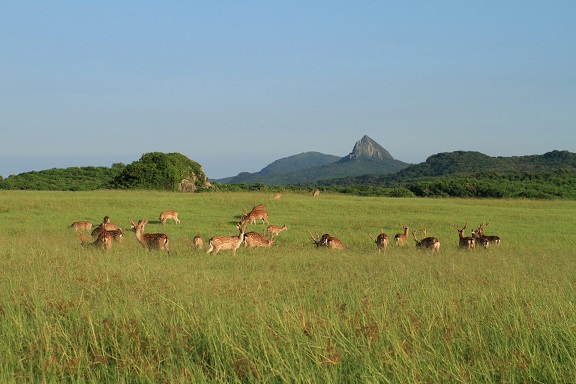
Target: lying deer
427,242
226,243
103,241
157,241
465,241
381,241
255,239
171,214
81,225
198,243
327,241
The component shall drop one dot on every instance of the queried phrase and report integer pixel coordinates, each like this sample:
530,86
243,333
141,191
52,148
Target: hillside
367,157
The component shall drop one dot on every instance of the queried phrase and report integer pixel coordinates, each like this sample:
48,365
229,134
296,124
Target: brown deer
401,238
492,239
274,230
276,196
107,225
171,214
226,243
327,241
480,240
465,241
103,241
117,234
157,241
431,243
253,215
316,192
81,225
255,239
381,241
198,243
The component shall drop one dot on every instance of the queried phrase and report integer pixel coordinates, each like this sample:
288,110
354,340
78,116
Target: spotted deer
227,243
198,242
480,240
401,238
253,215
381,241
81,225
465,241
171,214
255,239
157,241
327,241
103,241
431,243
117,234
274,230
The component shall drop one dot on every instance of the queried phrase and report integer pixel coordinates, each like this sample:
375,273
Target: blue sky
235,85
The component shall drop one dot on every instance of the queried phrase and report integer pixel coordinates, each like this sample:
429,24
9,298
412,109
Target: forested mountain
367,157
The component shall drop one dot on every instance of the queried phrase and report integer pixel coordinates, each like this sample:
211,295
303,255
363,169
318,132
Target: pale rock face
367,147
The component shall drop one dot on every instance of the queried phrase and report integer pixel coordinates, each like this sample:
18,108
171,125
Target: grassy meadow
290,313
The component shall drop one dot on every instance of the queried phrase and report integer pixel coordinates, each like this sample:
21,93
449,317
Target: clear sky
235,85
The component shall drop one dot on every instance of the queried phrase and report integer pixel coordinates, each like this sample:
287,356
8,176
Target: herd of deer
106,232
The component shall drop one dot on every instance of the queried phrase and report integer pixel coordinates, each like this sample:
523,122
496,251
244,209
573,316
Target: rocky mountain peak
366,147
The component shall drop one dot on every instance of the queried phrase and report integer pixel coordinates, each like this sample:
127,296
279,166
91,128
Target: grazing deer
274,230
465,241
255,239
226,243
381,241
327,241
277,196
117,234
198,243
492,239
427,242
480,240
316,192
401,238
157,241
253,215
81,225
103,241
171,214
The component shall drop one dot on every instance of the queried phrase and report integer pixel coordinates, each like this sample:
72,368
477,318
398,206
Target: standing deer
427,242
198,243
226,243
381,241
157,241
401,238
465,241
117,234
81,225
480,240
103,241
276,196
255,239
316,192
253,215
492,239
171,214
274,230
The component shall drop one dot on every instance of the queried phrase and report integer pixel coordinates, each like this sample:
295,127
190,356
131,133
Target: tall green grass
290,313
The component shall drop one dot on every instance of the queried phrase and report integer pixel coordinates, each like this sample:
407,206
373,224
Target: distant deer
274,230
171,214
277,196
198,243
255,239
431,243
226,243
103,241
157,241
316,192
81,225
327,241
492,239
401,238
381,241
465,241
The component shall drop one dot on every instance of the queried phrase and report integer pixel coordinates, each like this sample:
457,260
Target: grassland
290,313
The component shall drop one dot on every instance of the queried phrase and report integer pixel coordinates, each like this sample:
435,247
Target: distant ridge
367,157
